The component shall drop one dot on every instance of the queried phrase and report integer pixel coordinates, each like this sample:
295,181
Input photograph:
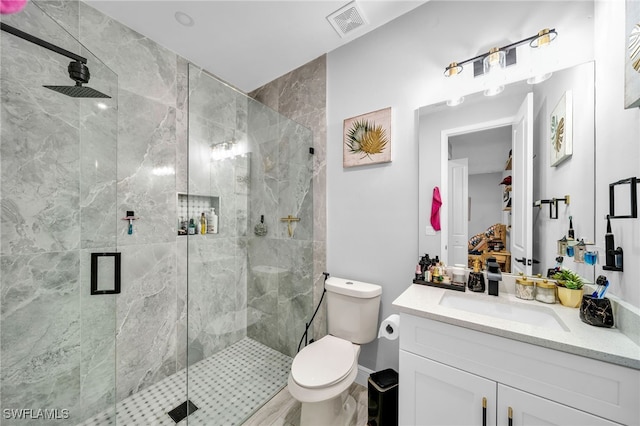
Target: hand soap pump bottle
213,222
476,278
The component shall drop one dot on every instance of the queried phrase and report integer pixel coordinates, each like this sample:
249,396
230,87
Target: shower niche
190,210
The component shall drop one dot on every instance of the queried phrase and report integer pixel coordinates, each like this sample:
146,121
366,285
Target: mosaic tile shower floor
226,387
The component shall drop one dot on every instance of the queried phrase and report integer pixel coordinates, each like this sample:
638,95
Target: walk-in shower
211,317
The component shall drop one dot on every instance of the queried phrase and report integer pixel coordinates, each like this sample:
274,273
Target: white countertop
605,344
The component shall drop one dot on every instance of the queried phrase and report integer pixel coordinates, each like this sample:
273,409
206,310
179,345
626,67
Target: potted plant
569,287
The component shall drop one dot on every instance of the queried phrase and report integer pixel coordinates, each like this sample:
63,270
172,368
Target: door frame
444,169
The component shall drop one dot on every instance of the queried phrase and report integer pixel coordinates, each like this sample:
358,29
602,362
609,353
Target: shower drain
182,411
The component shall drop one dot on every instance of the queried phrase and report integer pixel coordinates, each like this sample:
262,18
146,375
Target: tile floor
226,387
284,410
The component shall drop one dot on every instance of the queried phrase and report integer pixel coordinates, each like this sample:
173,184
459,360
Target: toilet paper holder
390,327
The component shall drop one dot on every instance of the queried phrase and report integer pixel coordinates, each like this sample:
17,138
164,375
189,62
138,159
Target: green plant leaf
569,279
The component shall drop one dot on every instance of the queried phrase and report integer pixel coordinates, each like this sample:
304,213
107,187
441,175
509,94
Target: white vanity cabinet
446,371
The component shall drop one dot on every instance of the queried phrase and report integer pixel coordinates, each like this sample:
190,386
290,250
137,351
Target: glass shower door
58,199
250,282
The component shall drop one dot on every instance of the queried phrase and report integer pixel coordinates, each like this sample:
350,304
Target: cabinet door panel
529,410
435,394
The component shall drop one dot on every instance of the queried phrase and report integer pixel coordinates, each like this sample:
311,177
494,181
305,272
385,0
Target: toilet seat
323,363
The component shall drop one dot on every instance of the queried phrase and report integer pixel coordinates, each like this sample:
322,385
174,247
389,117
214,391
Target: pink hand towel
435,208
11,6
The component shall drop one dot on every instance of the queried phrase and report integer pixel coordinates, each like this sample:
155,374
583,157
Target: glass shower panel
58,195
280,273
249,282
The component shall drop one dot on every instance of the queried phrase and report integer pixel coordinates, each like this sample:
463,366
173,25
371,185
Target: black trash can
383,398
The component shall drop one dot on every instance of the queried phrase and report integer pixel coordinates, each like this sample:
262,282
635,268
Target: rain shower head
78,70
78,91
80,73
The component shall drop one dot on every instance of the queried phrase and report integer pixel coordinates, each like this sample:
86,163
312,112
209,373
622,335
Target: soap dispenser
476,278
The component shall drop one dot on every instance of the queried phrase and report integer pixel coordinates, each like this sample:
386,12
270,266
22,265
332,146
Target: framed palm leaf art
367,139
561,130
632,57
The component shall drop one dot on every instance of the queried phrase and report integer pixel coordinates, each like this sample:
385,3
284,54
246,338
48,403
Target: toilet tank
352,309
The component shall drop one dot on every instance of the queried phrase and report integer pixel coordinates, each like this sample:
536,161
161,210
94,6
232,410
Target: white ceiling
248,43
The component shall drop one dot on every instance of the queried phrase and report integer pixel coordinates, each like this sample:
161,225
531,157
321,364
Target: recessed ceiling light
184,19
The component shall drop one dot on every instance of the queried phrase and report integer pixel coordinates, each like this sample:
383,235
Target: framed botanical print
367,139
632,57
561,131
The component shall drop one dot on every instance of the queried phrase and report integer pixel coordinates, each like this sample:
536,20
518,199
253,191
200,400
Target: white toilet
322,372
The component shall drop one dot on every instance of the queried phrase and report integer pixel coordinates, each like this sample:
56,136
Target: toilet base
338,411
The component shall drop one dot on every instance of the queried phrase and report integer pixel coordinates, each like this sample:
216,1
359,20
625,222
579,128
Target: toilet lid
323,362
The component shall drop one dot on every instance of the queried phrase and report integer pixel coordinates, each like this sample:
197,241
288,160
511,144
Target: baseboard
363,376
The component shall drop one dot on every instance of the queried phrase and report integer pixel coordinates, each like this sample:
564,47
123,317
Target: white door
436,394
458,211
522,193
529,410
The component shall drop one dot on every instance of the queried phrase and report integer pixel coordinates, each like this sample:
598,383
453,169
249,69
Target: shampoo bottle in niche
203,224
213,222
192,227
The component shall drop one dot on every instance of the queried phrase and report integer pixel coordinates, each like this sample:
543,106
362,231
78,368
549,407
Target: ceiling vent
346,19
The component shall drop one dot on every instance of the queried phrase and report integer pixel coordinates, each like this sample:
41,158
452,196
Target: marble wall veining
70,170
300,95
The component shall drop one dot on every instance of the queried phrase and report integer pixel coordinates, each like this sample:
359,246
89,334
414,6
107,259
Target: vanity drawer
597,387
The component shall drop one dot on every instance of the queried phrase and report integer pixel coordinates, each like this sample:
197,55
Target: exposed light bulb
455,101
495,90
539,78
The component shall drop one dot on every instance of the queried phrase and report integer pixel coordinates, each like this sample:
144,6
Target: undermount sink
540,316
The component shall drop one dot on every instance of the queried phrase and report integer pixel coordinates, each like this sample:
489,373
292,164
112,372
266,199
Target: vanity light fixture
500,57
544,38
495,60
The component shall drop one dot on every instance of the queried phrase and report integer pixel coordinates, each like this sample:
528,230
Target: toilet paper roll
390,327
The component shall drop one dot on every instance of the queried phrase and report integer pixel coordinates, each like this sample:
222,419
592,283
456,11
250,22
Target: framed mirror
525,150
